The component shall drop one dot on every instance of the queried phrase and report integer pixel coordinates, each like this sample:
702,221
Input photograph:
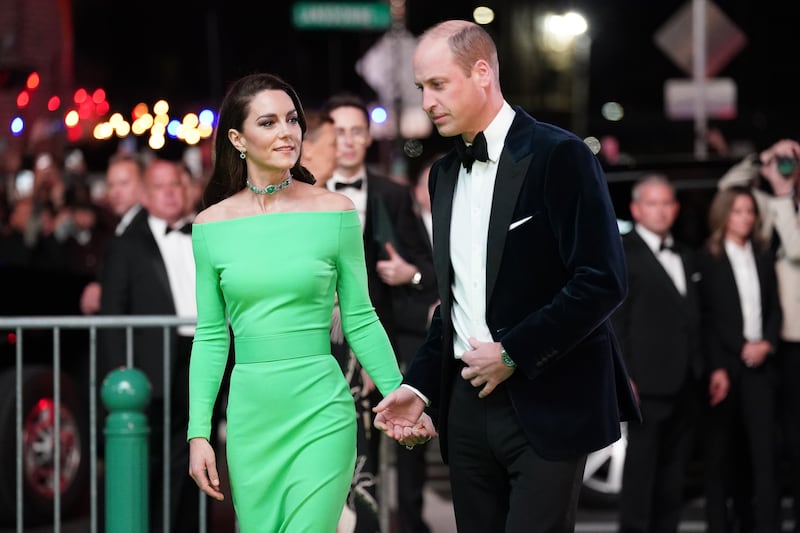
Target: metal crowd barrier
21,325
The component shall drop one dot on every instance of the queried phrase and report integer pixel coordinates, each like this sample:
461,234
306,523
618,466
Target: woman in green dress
271,251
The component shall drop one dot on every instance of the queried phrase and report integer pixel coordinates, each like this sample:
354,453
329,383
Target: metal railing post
126,393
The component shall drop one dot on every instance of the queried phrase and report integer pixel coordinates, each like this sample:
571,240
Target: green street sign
341,15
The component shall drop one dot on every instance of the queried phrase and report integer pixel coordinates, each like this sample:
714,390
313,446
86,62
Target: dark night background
188,52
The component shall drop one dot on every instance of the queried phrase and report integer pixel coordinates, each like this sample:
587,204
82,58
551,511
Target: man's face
164,191
124,186
452,99
319,152
656,208
352,137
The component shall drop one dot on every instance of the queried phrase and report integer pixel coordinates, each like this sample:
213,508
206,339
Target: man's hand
718,386
90,298
395,270
755,352
399,414
203,467
485,367
367,385
635,392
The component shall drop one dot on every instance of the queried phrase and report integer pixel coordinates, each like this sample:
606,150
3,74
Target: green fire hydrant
126,393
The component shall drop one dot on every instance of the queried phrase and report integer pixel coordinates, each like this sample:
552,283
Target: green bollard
125,393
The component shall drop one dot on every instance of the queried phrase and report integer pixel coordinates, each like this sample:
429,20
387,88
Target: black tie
185,228
666,246
339,185
477,151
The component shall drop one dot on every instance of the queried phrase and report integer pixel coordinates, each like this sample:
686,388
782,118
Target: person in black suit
742,321
149,270
521,359
658,326
416,309
399,267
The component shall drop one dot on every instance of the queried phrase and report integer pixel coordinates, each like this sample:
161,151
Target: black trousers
789,368
411,477
741,430
656,456
499,483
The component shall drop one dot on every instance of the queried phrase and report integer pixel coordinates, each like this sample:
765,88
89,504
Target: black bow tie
666,246
339,185
477,151
184,228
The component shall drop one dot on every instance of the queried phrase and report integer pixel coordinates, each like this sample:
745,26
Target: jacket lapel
655,265
511,169
443,189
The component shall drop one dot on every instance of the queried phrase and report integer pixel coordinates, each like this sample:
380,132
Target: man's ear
483,70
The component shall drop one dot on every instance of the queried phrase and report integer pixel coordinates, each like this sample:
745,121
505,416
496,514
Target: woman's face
271,134
741,219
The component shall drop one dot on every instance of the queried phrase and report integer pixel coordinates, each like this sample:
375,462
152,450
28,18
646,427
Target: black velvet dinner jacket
555,272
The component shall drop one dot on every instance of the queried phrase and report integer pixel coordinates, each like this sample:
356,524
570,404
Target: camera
785,165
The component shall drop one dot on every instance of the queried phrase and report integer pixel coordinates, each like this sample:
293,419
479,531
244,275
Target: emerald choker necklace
270,189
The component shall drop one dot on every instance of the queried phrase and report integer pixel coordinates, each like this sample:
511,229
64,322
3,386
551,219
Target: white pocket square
696,276
519,222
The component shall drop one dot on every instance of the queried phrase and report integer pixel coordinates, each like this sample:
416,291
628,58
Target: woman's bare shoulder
222,210
325,200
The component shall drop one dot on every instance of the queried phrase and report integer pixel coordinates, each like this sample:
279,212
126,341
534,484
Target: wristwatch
507,358
416,278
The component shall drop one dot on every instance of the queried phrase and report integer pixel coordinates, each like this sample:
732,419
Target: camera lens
786,165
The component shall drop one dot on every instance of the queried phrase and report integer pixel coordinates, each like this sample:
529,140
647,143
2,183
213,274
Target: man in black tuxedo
149,270
520,359
398,258
658,325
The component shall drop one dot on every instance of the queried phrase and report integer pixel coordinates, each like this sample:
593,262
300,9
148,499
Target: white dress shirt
469,230
358,196
176,251
427,220
671,261
743,262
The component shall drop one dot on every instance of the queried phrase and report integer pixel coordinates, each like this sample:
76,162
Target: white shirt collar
735,251
497,130
361,174
652,240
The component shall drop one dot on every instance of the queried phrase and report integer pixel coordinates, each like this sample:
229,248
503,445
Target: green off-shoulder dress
291,422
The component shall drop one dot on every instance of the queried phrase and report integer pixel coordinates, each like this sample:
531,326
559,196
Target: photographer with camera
774,177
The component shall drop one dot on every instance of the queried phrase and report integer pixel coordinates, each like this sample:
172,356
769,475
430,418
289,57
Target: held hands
401,416
485,366
395,270
203,467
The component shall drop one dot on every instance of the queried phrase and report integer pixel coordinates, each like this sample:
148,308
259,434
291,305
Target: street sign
341,15
724,39
680,96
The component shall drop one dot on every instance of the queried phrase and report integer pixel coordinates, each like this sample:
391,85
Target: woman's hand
203,467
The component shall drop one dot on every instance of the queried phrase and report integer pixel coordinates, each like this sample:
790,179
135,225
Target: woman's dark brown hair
230,171
718,214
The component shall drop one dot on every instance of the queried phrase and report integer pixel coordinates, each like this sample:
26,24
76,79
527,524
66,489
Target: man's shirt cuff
418,393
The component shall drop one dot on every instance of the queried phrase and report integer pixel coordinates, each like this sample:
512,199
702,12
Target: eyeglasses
358,135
